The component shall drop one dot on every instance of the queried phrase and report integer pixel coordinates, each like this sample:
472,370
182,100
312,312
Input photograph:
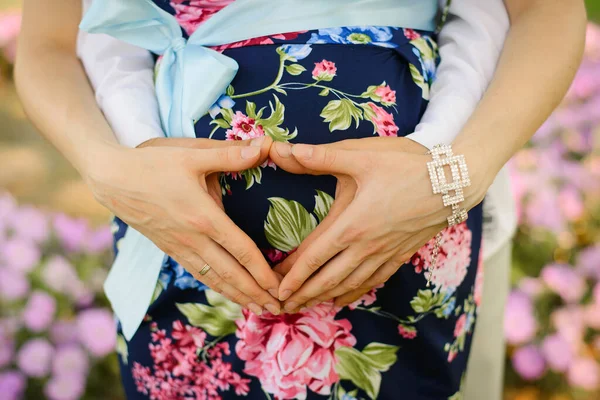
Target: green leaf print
227,114
252,175
426,300
339,114
218,320
221,123
354,366
271,125
369,115
122,349
419,81
323,203
295,69
324,92
288,224
381,356
370,92
230,91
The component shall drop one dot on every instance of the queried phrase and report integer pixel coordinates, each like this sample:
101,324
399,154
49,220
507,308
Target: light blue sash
192,77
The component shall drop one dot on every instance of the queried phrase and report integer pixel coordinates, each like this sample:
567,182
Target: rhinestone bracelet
442,156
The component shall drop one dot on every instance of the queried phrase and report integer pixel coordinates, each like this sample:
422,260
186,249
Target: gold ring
205,269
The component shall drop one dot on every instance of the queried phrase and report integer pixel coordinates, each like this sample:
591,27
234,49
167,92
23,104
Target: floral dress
403,340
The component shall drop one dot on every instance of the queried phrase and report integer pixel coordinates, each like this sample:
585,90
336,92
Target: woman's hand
170,194
386,214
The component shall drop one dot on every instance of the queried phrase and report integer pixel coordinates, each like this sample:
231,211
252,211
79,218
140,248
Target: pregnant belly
305,94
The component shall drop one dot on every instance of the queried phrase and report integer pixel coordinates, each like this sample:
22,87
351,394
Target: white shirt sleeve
122,76
470,44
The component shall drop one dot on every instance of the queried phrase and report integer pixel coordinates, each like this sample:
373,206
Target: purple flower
71,232
20,254
34,358
8,205
99,240
532,287
569,322
588,261
529,363
30,223
7,348
557,352
59,275
584,373
63,332
564,281
13,284
96,330
65,387
39,311
70,360
12,385
519,323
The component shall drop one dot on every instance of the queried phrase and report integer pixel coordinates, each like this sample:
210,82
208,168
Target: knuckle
353,284
237,297
201,223
313,262
217,287
244,256
294,282
329,157
330,283
227,275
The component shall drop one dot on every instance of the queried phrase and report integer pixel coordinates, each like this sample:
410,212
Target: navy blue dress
403,340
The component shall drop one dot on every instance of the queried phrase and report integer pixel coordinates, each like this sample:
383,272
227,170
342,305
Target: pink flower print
179,372
244,128
454,257
262,40
276,256
291,352
452,355
324,71
192,15
383,121
411,34
459,328
407,332
388,96
367,299
478,289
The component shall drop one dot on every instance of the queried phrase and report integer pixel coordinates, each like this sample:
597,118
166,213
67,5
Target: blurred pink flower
34,358
584,373
70,360
97,331
520,324
557,352
30,223
8,205
592,42
542,210
65,387
20,254
588,262
564,281
529,363
7,348
71,232
14,285
569,322
10,25
39,311
12,385
592,315
571,203
59,275
63,332
532,287
597,293
99,240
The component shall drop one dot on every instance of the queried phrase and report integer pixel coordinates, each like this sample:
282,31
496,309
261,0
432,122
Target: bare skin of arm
162,189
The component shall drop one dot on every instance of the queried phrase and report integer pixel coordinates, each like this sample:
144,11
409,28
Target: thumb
326,160
226,159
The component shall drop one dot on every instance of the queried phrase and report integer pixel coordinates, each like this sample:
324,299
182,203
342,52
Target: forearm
540,58
58,99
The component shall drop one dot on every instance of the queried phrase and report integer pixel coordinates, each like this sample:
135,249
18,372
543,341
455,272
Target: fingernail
291,306
285,295
312,303
302,151
273,309
283,149
250,152
255,309
257,142
274,292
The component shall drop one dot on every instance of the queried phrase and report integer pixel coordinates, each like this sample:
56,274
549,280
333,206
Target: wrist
99,159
